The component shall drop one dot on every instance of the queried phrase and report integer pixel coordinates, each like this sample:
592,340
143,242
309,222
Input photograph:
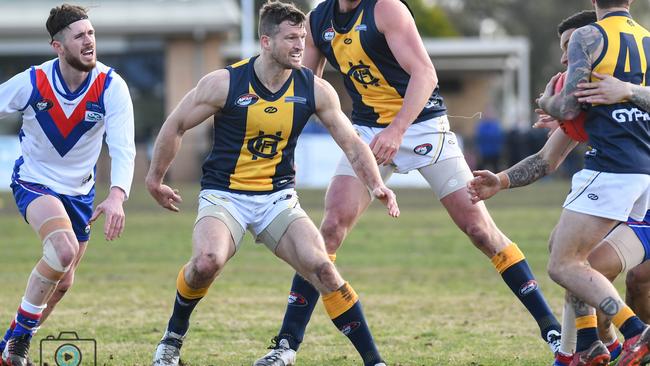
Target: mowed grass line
429,296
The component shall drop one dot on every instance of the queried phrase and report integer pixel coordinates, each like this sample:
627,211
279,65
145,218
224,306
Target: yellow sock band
587,321
508,257
332,257
185,290
340,301
622,316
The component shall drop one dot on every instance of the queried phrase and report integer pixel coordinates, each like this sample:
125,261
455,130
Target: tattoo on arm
527,171
585,46
641,97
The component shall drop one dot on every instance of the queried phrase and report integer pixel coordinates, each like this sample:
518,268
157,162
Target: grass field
429,296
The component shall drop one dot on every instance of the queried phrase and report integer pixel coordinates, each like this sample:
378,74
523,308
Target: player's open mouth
88,53
296,56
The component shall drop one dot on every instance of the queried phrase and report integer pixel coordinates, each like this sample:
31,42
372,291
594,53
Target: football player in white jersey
67,106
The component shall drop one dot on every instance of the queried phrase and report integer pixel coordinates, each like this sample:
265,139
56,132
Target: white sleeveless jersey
62,131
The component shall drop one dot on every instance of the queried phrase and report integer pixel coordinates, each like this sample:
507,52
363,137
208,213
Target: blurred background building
490,55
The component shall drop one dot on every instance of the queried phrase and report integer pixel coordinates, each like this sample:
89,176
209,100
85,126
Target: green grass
429,296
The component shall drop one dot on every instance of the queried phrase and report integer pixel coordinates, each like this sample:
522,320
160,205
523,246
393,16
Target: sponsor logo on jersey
527,288
94,116
247,99
264,145
296,299
87,229
432,102
423,149
592,196
44,104
623,115
361,27
282,183
270,110
361,73
350,327
87,179
295,99
347,41
328,34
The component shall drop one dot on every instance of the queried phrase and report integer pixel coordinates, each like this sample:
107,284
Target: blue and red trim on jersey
62,131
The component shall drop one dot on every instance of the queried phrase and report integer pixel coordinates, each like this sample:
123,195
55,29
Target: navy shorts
642,231
78,208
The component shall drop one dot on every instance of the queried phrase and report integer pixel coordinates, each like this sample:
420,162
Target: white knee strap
50,227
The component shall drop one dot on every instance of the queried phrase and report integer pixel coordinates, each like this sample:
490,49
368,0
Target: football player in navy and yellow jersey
398,111
615,183
260,106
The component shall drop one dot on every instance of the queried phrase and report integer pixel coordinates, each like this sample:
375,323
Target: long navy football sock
302,301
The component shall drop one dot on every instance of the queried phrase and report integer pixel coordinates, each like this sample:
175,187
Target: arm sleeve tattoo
527,171
641,96
584,47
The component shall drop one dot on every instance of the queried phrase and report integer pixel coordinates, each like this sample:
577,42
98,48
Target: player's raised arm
313,58
398,26
585,46
328,109
486,183
206,99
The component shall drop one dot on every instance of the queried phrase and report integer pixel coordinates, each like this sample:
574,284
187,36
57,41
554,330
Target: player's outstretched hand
387,197
484,185
165,196
608,90
385,145
114,212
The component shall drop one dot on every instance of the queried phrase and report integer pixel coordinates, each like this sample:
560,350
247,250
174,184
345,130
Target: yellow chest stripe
369,82
268,127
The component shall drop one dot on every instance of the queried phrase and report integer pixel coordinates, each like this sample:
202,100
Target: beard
77,64
283,60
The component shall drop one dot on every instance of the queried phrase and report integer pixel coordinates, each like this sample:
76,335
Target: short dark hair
605,4
62,16
273,13
577,20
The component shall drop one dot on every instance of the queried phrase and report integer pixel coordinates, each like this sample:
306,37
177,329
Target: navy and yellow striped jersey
372,76
255,133
619,134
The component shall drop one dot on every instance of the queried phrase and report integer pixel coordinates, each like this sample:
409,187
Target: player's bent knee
60,246
636,282
556,271
328,276
206,266
479,234
334,227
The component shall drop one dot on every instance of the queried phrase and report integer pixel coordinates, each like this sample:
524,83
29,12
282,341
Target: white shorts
425,144
610,195
251,212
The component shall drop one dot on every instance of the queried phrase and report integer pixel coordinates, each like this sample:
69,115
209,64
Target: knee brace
52,226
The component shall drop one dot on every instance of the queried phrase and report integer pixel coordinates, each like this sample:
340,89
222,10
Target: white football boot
281,355
168,352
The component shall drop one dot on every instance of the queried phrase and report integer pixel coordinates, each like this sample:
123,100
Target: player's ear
265,42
